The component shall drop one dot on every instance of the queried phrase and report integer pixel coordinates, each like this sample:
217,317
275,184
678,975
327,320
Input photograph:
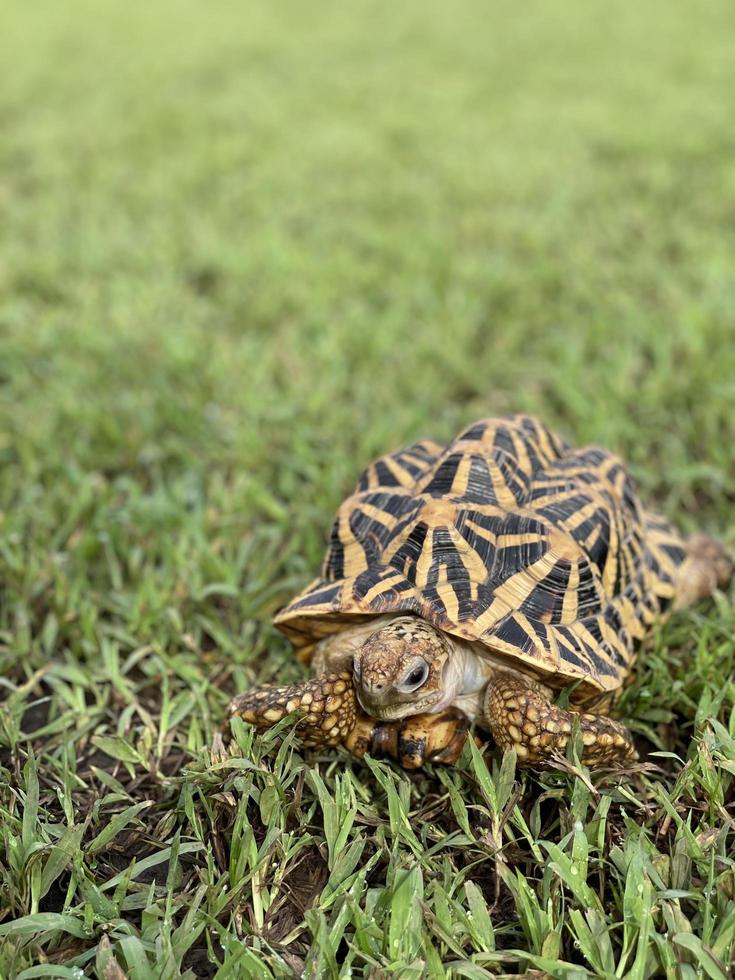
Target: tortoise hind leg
707,567
325,706
437,738
522,717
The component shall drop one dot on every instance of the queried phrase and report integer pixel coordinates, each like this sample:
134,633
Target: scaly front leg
325,705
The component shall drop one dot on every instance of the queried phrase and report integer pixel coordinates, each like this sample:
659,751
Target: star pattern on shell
508,537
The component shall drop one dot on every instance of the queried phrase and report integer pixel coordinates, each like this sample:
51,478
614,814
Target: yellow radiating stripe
629,617
581,654
476,567
553,642
570,603
647,615
565,646
624,651
669,567
610,570
398,541
482,532
615,484
585,637
428,475
505,540
423,564
608,633
636,628
509,596
521,449
385,585
502,492
574,520
403,476
372,476
497,609
544,442
525,623
664,584
619,484
632,565
376,513
490,510
488,436
283,615
447,595
548,500
354,559
520,538
656,539
591,539
427,446
462,476
569,472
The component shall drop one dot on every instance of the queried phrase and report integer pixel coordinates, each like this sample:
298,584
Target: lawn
244,250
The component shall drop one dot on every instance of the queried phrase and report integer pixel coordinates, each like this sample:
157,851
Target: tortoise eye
416,678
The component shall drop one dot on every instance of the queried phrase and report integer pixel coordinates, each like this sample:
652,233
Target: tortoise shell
507,537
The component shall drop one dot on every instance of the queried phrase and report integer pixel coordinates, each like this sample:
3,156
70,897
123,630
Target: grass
244,250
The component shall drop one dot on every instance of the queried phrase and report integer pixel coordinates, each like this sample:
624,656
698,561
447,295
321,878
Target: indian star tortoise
472,582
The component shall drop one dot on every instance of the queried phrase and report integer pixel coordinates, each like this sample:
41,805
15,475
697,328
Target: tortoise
472,583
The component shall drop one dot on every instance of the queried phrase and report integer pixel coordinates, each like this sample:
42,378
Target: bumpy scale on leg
521,717
707,566
325,705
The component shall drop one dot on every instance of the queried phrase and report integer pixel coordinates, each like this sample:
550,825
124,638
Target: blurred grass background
246,248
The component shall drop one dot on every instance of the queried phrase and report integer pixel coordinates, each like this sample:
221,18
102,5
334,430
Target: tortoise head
399,670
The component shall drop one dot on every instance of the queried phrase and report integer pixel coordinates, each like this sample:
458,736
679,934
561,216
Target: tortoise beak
383,702
372,696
